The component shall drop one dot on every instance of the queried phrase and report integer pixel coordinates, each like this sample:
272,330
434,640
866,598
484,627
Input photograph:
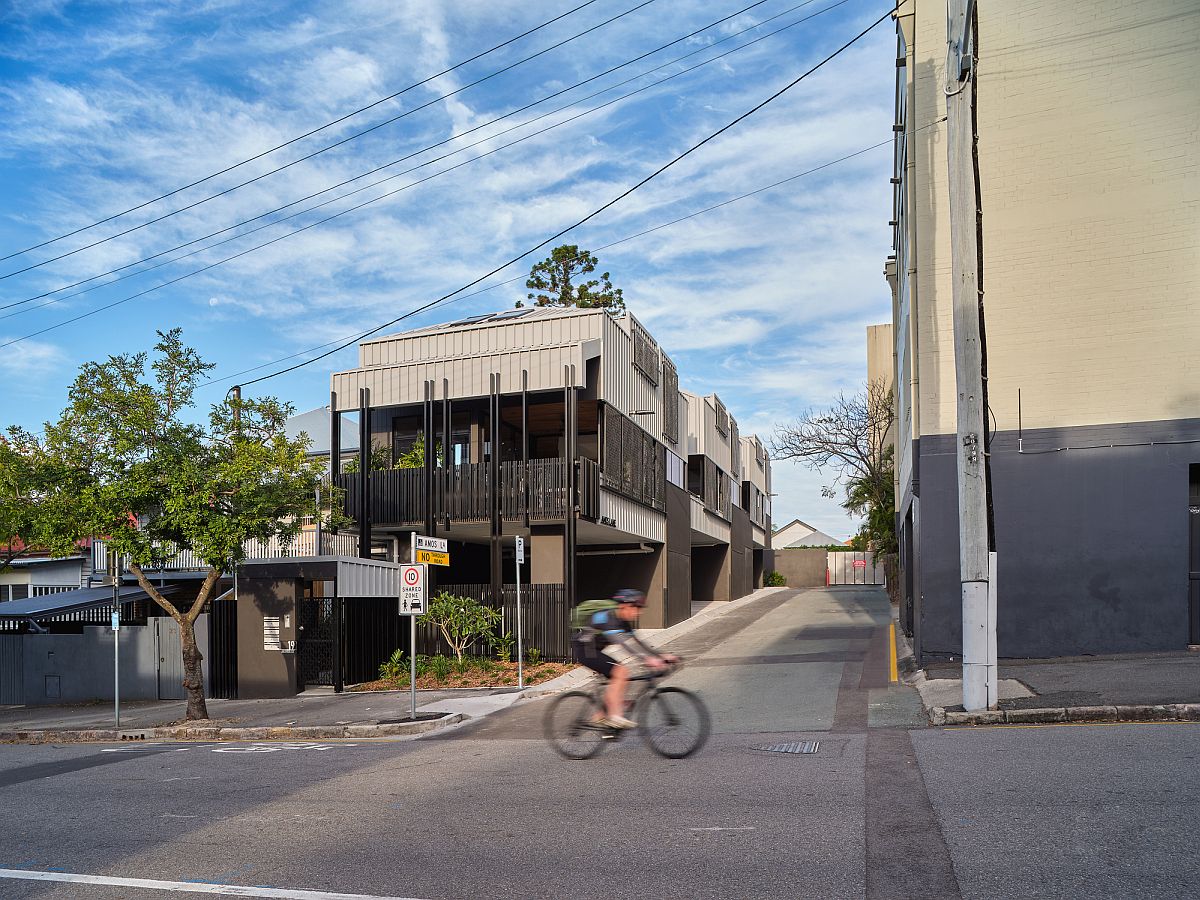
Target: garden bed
472,672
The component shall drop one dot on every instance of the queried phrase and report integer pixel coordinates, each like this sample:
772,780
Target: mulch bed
502,675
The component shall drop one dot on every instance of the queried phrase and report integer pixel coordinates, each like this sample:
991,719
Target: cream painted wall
1090,175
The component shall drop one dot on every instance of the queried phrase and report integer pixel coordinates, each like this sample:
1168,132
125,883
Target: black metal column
497,525
447,451
338,656
364,469
427,437
571,429
335,439
525,444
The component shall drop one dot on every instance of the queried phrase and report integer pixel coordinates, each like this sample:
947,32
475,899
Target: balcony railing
397,496
304,544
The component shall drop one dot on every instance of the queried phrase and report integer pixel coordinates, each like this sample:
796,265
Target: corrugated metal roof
73,601
489,320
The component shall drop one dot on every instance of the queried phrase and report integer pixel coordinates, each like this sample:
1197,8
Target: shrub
461,620
394,667
503,646
534,655
774,579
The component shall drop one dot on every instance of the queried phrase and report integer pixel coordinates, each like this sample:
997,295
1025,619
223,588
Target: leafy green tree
138,472
30,506
380,459
461,620
853,438
553,282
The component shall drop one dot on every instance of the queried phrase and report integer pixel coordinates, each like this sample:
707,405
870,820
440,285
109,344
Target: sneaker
620,722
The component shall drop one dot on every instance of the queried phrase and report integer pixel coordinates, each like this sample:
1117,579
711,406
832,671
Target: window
676,470
645,352
722,416
670,391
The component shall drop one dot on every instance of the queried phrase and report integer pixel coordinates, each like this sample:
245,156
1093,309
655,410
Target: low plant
774,579
534,655
394,667
503,646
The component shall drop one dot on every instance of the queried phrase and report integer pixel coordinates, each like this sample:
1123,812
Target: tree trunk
193,674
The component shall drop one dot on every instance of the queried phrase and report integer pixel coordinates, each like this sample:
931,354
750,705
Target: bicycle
673,721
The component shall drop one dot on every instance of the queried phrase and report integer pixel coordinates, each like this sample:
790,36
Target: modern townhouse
568,427
1089,175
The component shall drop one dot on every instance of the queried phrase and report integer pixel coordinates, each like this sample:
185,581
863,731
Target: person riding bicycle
605,624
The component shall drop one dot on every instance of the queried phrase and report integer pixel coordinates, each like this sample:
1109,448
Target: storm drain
792,747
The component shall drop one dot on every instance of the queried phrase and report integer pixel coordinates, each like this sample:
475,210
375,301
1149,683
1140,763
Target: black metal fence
545,619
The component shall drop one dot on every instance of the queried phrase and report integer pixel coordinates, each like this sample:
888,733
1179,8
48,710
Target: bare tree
853,439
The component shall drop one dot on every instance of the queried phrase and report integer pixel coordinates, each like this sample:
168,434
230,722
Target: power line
472,283
458,136
326,148
610,244
590,215
307,134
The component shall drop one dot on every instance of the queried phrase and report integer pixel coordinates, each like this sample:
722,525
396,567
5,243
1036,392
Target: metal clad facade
633,517
367,578
622,385
707,523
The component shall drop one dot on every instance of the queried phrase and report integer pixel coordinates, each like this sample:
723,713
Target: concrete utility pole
978,606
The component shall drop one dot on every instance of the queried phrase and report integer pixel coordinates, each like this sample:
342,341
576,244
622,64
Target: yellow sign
433,557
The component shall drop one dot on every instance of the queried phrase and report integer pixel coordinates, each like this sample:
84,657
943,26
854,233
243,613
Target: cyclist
612,623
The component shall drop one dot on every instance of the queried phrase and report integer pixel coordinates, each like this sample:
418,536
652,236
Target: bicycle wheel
674,722
569,725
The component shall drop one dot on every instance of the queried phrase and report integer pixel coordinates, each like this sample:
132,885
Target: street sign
116,621
437,545
433,557
520,550
860,563
413,590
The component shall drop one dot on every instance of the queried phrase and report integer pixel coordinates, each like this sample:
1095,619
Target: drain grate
792,747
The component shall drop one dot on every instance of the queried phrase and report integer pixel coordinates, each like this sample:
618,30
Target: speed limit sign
413,590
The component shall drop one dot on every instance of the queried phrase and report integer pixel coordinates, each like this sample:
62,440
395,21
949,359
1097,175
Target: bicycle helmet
628,595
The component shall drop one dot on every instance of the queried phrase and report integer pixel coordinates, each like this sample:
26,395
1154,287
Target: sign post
413,592
520,638
114,569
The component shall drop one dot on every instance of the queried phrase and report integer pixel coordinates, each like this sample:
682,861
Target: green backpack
581,616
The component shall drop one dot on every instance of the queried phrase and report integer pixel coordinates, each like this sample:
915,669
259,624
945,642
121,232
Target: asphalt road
488,809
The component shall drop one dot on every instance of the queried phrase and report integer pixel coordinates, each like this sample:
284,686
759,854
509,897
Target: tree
461,620
552,282
853,438
380,458
30,514
135,470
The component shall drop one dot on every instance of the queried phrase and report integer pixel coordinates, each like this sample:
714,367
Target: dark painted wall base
1092,543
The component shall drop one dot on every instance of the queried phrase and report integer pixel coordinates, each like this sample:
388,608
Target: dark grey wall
741,548
1092,543
802,566
679,555
266,673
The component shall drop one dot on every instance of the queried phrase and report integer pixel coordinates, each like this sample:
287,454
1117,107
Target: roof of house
315,423
797,533
499,317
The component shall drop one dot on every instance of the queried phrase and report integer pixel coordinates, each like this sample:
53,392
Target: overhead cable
321,150
301,137
429,162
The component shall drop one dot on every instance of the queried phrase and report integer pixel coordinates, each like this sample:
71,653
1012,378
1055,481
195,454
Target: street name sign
413,590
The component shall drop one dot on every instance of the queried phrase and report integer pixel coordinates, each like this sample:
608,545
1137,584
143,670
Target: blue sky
764,301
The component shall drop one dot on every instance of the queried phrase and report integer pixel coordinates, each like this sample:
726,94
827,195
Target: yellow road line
893,672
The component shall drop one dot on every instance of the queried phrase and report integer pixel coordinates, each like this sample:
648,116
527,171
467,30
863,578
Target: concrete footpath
313,715
1117,688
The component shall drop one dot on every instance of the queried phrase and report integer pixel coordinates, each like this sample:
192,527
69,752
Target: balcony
304,544
463,493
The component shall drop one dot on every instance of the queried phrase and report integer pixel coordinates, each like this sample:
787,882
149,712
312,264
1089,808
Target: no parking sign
413,589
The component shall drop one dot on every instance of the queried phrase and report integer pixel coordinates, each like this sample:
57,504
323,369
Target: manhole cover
792,747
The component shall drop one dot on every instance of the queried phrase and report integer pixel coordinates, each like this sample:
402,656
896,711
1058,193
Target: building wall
266,673
801,567
679,555
1090,191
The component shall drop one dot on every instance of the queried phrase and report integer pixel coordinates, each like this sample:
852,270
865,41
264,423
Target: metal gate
170,659
12,669
855,567
314,647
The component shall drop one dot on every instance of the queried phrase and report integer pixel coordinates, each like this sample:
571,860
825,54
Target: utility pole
978,601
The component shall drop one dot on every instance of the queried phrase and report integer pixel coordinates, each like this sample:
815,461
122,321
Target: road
884,808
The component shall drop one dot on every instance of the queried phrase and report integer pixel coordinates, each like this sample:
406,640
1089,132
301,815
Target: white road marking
152,884
721,829
272,748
